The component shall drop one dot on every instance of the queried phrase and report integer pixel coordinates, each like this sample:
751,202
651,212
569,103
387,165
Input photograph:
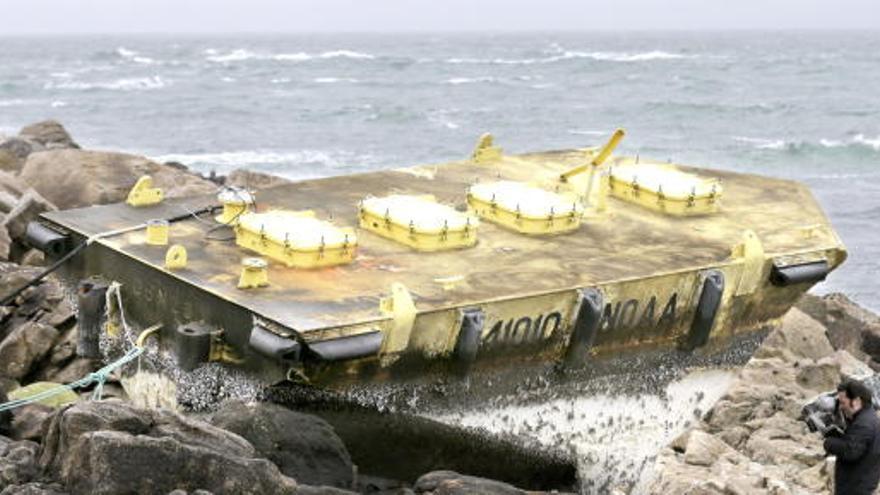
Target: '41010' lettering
523,330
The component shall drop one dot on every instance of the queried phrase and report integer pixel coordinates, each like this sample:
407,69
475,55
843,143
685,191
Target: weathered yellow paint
296,238
144,194
157,232
418,222
485,151
402,310
175,257
253,274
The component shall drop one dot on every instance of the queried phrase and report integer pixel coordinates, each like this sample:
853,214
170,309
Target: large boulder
800,335
24,347
18,462
48,133
109,447
850,327
452,483
72,178
303,446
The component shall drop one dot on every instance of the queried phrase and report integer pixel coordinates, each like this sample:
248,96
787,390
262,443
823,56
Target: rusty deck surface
627,242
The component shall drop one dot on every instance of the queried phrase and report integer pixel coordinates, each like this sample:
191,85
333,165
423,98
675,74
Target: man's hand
832,430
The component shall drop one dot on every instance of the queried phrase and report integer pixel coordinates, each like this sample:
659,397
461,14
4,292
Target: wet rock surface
303,446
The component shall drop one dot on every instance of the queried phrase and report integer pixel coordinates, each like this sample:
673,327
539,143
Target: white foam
471,80
762,143
330,80
127,84
15,102
872,143
638,427
568,55
133,56
321,163
241,54
58,104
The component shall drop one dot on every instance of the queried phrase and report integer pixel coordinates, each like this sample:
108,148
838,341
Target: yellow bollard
254,273
175,258
144,194
157,232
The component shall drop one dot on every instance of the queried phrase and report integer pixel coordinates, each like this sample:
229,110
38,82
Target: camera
823,414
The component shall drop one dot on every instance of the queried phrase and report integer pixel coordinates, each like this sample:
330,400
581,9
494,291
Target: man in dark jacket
857,469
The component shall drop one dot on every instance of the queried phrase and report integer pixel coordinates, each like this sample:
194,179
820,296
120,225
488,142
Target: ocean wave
241,54
330,80
471,80
584,132
126,84
570,55
15,102
856,142
133,56
316,163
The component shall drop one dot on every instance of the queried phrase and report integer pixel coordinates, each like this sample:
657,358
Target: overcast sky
201,16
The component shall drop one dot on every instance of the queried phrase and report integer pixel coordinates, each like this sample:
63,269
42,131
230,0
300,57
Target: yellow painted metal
296,238
157,232
524,208
665,188
144,194
147,333
749,254
254,273
402,310
235,203
598,159
485,151
175,257
419,222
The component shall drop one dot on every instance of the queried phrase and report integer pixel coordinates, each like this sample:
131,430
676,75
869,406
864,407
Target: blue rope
98,377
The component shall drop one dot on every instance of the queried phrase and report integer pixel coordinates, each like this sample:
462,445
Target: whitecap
241,54
347,54
16,102
569,55
127,84
762,143
470,80
233,56
321,163
872,143
280,80
133,56
58,104
330,80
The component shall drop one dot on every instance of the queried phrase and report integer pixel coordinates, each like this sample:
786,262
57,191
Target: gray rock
303,446
111,447
29,422
24,347
34,488
18,462
452,483
71,178
29,206
249,179
703,449
49,133
800,334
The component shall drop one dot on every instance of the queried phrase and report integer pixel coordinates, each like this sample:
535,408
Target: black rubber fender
814,271
707,309
469,335
47,240
350,347
193,346
273,345
586,326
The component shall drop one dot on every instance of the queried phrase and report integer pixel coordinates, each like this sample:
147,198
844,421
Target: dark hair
855,388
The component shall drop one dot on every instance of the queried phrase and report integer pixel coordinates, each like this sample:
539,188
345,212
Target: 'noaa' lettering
626,314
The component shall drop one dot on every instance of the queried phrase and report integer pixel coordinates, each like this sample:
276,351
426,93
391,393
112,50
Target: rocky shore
752,441
749,442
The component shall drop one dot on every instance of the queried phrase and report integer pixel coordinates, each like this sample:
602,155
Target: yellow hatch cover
665,188
418,222
296,238
524,208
